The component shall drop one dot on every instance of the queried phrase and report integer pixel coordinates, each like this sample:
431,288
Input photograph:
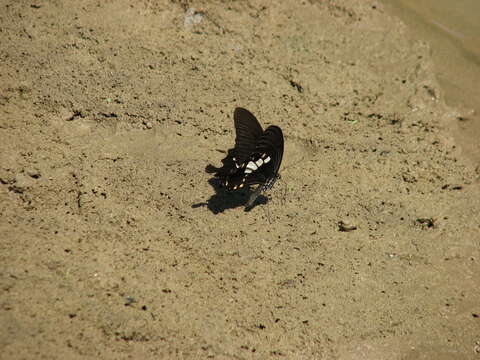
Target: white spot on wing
259,162
251,165
235,162
267,159
248,171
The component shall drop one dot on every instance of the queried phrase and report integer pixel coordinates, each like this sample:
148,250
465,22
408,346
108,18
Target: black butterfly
256,157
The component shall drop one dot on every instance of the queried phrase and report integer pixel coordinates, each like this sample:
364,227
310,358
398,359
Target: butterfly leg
254,196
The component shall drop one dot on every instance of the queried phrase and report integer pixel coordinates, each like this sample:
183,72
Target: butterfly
256,157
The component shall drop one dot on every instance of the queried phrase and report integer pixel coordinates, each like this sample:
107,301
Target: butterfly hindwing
271,143
268,157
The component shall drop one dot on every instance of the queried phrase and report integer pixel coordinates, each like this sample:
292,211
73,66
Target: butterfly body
256,157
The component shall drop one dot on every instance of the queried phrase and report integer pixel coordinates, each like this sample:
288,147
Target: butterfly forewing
248,132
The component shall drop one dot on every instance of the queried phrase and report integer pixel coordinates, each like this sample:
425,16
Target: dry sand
452,29
109,113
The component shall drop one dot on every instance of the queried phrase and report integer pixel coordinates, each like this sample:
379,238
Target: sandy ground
453,31
111,110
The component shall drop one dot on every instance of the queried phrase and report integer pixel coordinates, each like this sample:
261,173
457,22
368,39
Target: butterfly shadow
223,200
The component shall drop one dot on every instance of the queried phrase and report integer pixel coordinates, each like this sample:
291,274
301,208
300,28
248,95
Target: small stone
22,183
148,124
129,300
346,226
426,222
7,178
192,18
33,173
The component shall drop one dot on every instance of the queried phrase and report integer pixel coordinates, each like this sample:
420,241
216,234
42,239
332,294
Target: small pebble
192,17
129,300
346,226
33,173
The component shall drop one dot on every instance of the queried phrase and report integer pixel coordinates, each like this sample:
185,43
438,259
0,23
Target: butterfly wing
271,143
256,157
248,133
270,150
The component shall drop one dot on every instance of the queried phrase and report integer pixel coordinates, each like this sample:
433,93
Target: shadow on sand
222,199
